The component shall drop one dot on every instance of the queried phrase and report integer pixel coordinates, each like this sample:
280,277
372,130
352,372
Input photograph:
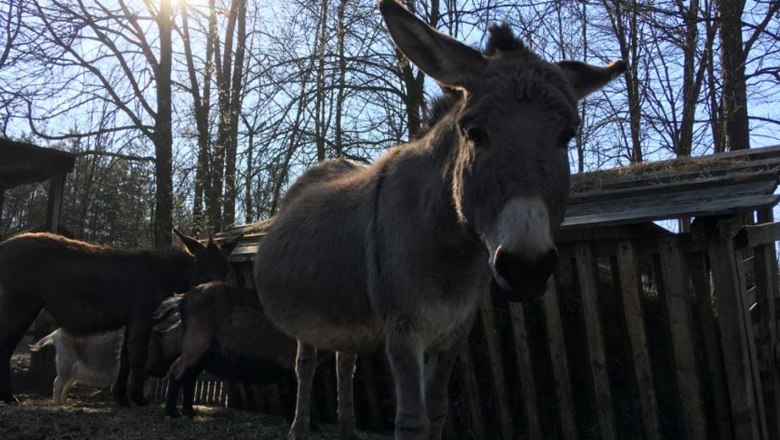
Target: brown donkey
90,289
399,252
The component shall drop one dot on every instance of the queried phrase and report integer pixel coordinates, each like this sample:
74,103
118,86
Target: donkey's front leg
405,353
305,367
437,379
120,384
345,366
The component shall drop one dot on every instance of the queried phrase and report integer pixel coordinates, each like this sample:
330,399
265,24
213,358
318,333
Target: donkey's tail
44,342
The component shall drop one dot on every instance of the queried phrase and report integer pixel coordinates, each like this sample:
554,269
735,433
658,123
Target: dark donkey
90,289
401,251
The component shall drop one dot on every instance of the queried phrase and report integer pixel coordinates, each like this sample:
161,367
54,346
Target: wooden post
700,277
767,283
560,366
631,291
678,297
526,370
470,389
2,202
496,369
735,340
586,272
54,204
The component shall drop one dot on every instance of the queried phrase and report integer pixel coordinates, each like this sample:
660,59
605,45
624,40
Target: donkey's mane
502,38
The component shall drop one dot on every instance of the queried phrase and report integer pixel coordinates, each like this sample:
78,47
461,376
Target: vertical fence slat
766,266
733,336
471,391
631,292
586,272
678,301
526,371
560,366
496,366
700,277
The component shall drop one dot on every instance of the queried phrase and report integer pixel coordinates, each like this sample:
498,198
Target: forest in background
200,113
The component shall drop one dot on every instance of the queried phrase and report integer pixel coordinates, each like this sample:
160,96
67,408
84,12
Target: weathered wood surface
586,272
734,339
678,299
631,291
499,391
560,364
526,370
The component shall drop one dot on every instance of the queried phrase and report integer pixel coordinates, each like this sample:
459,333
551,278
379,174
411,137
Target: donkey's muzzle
523,278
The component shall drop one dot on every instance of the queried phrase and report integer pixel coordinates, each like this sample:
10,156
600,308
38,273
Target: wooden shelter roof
22,163
719,184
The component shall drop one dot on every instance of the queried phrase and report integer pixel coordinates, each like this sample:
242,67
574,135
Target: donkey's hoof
298,435
172,413
10,399
121,399
189,412
140,400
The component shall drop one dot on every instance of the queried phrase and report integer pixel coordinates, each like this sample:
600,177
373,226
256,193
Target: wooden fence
643,333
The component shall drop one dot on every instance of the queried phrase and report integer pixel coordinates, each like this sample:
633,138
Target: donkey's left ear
448,61
230,244
586,79
192,244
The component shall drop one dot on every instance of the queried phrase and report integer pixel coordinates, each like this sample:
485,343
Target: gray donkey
399,252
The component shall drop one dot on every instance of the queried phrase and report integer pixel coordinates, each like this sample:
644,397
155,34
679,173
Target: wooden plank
525,369
678,308
630,189
586,272
496,366
631,292
767,283
560,366
468,380
755,235
659,210
54,202
755,371
734,341
676,199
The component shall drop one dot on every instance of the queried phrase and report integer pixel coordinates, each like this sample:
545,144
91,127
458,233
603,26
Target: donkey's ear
444,59
192,244
586,79
230,244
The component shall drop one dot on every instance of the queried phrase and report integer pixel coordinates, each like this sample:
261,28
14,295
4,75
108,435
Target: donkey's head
211,258
511,177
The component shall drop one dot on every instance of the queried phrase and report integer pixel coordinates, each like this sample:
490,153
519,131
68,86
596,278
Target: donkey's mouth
521,293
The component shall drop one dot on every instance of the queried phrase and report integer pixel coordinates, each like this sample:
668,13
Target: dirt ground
93,415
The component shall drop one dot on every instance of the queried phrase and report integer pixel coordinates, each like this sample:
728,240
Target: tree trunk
339,141
231,147
201,110
163,137
732,62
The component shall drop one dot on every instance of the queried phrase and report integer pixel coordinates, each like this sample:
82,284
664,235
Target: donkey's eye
477,136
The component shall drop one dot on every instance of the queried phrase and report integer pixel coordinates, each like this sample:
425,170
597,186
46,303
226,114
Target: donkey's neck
174,267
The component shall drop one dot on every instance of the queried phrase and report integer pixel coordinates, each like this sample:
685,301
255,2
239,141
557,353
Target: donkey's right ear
585,78
448,61
192,244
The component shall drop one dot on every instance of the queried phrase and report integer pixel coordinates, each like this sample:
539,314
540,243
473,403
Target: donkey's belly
326,322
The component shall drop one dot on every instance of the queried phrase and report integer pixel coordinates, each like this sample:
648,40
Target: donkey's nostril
525,276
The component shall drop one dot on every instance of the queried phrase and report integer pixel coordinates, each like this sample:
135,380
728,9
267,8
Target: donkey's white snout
522,252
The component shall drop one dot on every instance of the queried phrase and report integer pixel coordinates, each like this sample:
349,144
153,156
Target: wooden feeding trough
644,333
